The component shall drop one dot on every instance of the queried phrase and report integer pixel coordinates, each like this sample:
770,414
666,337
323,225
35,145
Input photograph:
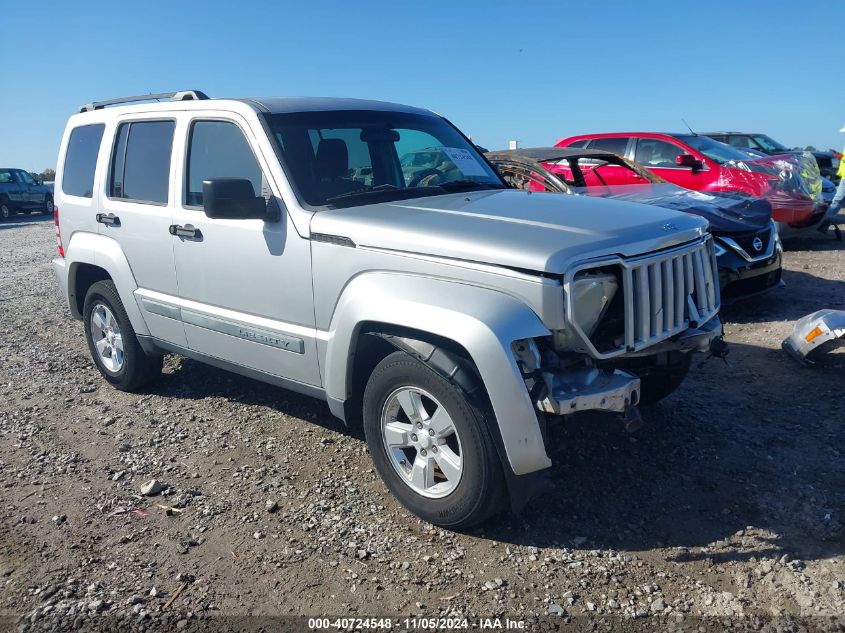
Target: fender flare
482,321
104,252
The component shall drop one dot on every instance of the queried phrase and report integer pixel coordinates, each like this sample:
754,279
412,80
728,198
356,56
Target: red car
792,185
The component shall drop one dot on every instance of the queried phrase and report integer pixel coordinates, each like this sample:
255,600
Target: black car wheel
48,206
5,211
430,443
660,375
112,341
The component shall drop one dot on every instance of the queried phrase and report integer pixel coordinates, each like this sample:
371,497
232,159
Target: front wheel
112,341
430,443
47,209
5,211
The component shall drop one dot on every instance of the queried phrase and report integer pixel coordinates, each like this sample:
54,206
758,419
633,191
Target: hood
543,232
726,212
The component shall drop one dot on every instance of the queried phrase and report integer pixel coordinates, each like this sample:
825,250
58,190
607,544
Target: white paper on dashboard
464,161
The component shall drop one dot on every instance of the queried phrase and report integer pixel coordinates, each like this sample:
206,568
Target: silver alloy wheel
422,442
5,213
107,339
48,206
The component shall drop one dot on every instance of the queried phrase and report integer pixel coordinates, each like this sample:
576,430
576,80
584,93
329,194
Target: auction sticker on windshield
464,161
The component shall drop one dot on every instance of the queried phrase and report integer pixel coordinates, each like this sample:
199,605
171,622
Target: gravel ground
729,502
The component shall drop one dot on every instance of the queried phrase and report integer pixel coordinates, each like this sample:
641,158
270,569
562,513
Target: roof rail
182,95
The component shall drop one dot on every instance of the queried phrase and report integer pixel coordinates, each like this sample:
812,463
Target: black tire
481,489
659,377
5,211
138,369
47,209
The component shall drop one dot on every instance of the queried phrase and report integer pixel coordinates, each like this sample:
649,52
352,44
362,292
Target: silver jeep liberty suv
366,254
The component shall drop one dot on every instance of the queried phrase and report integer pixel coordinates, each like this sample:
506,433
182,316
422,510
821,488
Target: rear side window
141,162
81,160
218,149
614,145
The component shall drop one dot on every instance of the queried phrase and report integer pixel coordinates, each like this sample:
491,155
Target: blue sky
499,72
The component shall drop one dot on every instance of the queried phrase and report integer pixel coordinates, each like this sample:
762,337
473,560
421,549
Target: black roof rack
182,95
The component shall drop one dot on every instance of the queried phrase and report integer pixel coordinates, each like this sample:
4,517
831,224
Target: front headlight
591,296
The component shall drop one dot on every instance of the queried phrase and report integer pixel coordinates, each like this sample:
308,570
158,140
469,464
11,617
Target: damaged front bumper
589,388
558,390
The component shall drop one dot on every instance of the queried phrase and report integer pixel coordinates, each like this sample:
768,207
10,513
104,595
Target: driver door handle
108,218
188,230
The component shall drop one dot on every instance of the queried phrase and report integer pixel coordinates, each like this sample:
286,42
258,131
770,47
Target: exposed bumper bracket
590,389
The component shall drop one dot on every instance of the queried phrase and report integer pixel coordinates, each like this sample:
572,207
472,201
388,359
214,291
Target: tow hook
632,419
719,348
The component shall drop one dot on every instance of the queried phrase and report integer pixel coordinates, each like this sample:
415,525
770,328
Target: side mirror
232,199
688,160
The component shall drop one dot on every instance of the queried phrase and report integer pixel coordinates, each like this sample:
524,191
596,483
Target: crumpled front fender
482,321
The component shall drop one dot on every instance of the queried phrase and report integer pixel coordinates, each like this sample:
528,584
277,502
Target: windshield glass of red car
714,150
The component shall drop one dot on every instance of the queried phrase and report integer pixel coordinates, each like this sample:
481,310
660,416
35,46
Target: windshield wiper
361,192
467,184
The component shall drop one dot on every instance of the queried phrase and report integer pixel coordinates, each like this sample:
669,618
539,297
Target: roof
279,105
549,154
272,105
724,132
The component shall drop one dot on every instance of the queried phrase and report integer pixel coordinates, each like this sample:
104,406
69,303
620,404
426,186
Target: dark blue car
21,193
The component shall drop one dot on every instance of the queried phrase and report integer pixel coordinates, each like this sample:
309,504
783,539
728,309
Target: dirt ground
726,509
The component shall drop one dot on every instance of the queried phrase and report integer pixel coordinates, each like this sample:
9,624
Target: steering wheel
424,173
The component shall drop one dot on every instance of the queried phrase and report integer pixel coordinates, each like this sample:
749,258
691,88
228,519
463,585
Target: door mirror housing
688,160
232,199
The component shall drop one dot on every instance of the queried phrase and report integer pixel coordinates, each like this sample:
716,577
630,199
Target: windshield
351,158
769,144
714,150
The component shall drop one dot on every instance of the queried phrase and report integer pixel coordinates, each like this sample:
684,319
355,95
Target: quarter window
614,145
141,162
81,160
218,149
655,153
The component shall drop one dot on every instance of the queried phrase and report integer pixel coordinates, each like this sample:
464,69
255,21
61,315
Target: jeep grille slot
663,294
669,294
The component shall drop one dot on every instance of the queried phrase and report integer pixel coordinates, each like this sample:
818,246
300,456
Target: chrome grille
669,292
662,294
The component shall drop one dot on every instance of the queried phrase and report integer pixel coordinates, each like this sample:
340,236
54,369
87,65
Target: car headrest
332,158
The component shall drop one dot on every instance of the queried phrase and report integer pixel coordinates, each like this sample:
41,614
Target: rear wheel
112,341
430,443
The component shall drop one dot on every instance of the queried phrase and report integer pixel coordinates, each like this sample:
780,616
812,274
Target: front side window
350,158
25,179
613,145
141,163
742,142
652,152
81,160
769,144
218,149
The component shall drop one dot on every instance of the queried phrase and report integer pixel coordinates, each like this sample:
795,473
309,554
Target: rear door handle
108,218
188,230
